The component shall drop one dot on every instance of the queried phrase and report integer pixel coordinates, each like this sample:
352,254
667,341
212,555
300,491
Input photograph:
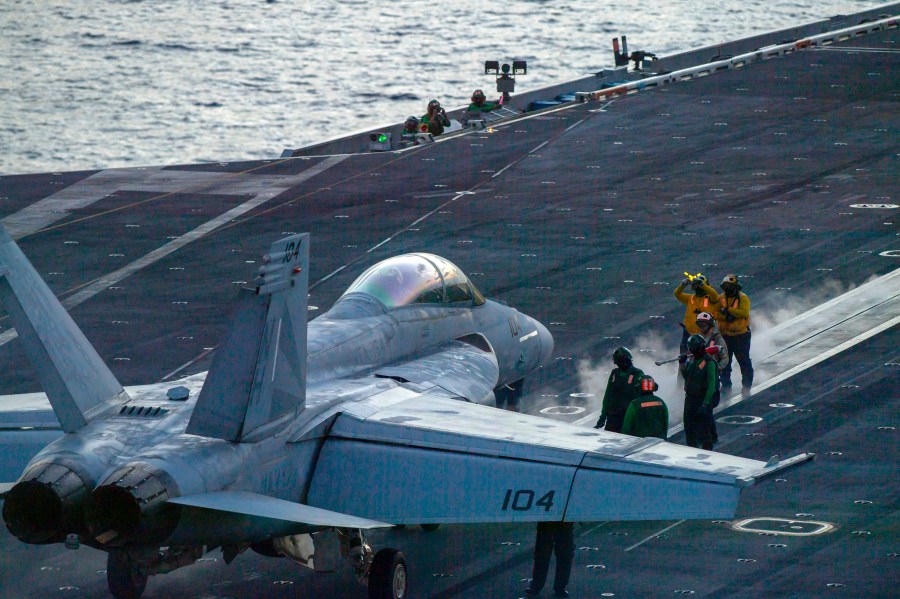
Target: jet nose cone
546,342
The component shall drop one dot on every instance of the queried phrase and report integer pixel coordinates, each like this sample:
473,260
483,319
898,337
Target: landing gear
127,570
387,578
508,395
125,579
429,527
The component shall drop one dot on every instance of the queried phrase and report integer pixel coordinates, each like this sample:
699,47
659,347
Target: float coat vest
695,305
738,311
647,416
622,387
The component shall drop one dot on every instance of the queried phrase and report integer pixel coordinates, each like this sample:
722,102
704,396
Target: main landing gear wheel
387,577
125,580
429,527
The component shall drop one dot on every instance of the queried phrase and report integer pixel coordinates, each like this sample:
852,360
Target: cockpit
417,279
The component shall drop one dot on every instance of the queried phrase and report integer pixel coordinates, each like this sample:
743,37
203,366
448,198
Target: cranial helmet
704,317
695,342
698,282
730,283
434,104
477,95
648,385
622,358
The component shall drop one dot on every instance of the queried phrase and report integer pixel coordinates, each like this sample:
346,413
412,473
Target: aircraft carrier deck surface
584,217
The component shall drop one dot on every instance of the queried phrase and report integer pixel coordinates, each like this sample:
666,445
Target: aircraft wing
27,424
405,457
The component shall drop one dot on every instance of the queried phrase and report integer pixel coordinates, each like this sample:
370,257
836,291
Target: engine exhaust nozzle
130,507
46,504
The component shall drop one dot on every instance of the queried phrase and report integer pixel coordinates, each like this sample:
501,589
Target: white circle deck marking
563,410
738,419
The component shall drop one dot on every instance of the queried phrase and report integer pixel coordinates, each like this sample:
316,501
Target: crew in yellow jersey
703,299
733,317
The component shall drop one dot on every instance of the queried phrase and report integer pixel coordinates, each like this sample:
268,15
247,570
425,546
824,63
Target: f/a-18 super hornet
303,435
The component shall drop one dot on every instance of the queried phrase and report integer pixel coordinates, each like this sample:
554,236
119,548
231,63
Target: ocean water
143,82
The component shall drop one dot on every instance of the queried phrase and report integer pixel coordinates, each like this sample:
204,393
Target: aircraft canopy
416,279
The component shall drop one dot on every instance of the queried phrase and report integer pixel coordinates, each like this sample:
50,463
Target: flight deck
585,216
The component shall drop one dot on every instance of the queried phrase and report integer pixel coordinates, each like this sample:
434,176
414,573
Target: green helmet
695,342
622,357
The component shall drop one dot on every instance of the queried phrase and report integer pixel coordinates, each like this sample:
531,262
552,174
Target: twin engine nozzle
129,507
45,505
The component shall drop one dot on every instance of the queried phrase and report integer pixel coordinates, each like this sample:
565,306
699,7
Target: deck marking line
738,398
104,282
654,535
45,214
851,50
500,172
378,245
573,125
186,364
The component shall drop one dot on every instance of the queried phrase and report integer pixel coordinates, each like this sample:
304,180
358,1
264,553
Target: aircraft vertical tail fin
78,383
259,372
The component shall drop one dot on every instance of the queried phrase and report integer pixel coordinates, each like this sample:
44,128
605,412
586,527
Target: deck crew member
716,348
647,415
410,130
434,120
623,386
700,382
480,104
733,316
703,299
558,537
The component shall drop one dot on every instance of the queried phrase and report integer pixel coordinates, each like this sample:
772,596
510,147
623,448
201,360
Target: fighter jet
304,435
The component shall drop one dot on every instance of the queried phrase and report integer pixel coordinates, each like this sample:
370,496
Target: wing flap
238,516
262,506
437,460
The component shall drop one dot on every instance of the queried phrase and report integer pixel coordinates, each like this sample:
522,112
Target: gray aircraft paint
383,427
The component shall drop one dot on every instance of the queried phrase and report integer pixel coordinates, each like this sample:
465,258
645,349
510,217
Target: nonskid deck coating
603,208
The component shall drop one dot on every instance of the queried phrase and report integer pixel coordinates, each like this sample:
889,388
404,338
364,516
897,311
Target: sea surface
109,83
